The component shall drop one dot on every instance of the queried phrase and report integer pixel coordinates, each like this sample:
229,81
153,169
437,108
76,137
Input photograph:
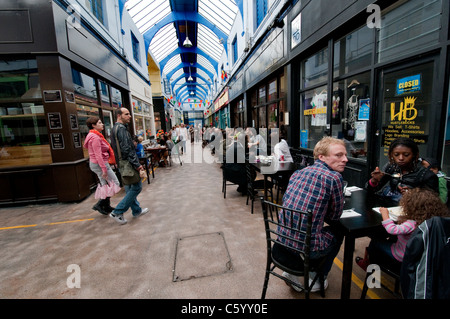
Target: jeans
130,200
331,253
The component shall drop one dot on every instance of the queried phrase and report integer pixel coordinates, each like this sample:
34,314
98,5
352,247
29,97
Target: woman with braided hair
403,172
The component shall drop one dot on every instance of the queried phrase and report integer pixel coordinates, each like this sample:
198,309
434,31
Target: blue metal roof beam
194,75
178,90
184,16
194,50
187,65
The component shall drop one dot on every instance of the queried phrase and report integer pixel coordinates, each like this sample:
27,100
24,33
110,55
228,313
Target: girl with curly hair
418,205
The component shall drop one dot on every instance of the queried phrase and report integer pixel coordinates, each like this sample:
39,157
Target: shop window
104,93
262,117
254,122
235,50
413,25
273,90
116,98
272,115
262,94
23,129
96,7
83,113
135,48
314,116
261,11
315,69
85,87
350,113
148,131
407,107
137,106
353,52
139,125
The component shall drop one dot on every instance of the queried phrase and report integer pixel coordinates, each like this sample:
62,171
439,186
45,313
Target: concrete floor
45,247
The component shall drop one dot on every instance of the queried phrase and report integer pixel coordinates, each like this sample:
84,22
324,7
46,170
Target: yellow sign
406,110
319,110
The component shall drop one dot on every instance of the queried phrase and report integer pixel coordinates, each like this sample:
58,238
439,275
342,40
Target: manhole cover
200,256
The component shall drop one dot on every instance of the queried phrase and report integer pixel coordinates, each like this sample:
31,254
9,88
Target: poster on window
361,131
364,110
304,138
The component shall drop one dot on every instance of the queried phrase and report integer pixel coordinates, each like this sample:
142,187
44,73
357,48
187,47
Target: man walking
318,187
128,152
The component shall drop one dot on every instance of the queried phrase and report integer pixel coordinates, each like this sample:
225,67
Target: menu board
57,141
54,120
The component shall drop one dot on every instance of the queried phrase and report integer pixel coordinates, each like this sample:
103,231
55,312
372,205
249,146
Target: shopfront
143,118
267,103
369,85
45,99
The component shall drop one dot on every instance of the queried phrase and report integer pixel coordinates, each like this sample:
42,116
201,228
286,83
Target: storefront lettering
403,123
407,110
318,110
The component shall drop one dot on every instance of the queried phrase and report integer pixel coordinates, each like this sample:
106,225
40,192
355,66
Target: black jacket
420,177
425,272
127,147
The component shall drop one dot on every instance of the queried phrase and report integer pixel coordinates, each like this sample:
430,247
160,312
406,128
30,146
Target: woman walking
101,156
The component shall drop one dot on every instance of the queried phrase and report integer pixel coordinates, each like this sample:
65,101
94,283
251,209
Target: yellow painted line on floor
356,280
71,221
50,224
15,227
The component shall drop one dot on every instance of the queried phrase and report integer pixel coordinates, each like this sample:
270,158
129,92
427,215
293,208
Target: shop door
406,108
108,121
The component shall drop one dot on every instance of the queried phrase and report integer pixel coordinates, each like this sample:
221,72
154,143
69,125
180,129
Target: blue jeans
130,200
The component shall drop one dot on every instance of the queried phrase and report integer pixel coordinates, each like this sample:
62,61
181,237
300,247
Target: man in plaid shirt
319,188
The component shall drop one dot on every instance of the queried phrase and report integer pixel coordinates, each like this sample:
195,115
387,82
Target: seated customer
281,150
418,205
434,166
403,172
318,187
234,167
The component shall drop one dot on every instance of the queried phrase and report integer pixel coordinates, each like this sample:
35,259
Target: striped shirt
320,189
403,232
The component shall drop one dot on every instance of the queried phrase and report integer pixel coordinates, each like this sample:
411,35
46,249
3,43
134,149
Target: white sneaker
118,218
294,279
143,211
315,287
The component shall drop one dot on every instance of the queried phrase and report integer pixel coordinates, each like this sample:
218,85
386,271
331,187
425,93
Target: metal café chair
294,261
253,186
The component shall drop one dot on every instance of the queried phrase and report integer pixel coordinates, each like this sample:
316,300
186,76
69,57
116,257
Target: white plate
394,212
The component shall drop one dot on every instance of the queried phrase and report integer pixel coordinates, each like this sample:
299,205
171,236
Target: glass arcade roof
168,24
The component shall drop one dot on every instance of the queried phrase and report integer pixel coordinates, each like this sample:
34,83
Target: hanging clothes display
319,105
